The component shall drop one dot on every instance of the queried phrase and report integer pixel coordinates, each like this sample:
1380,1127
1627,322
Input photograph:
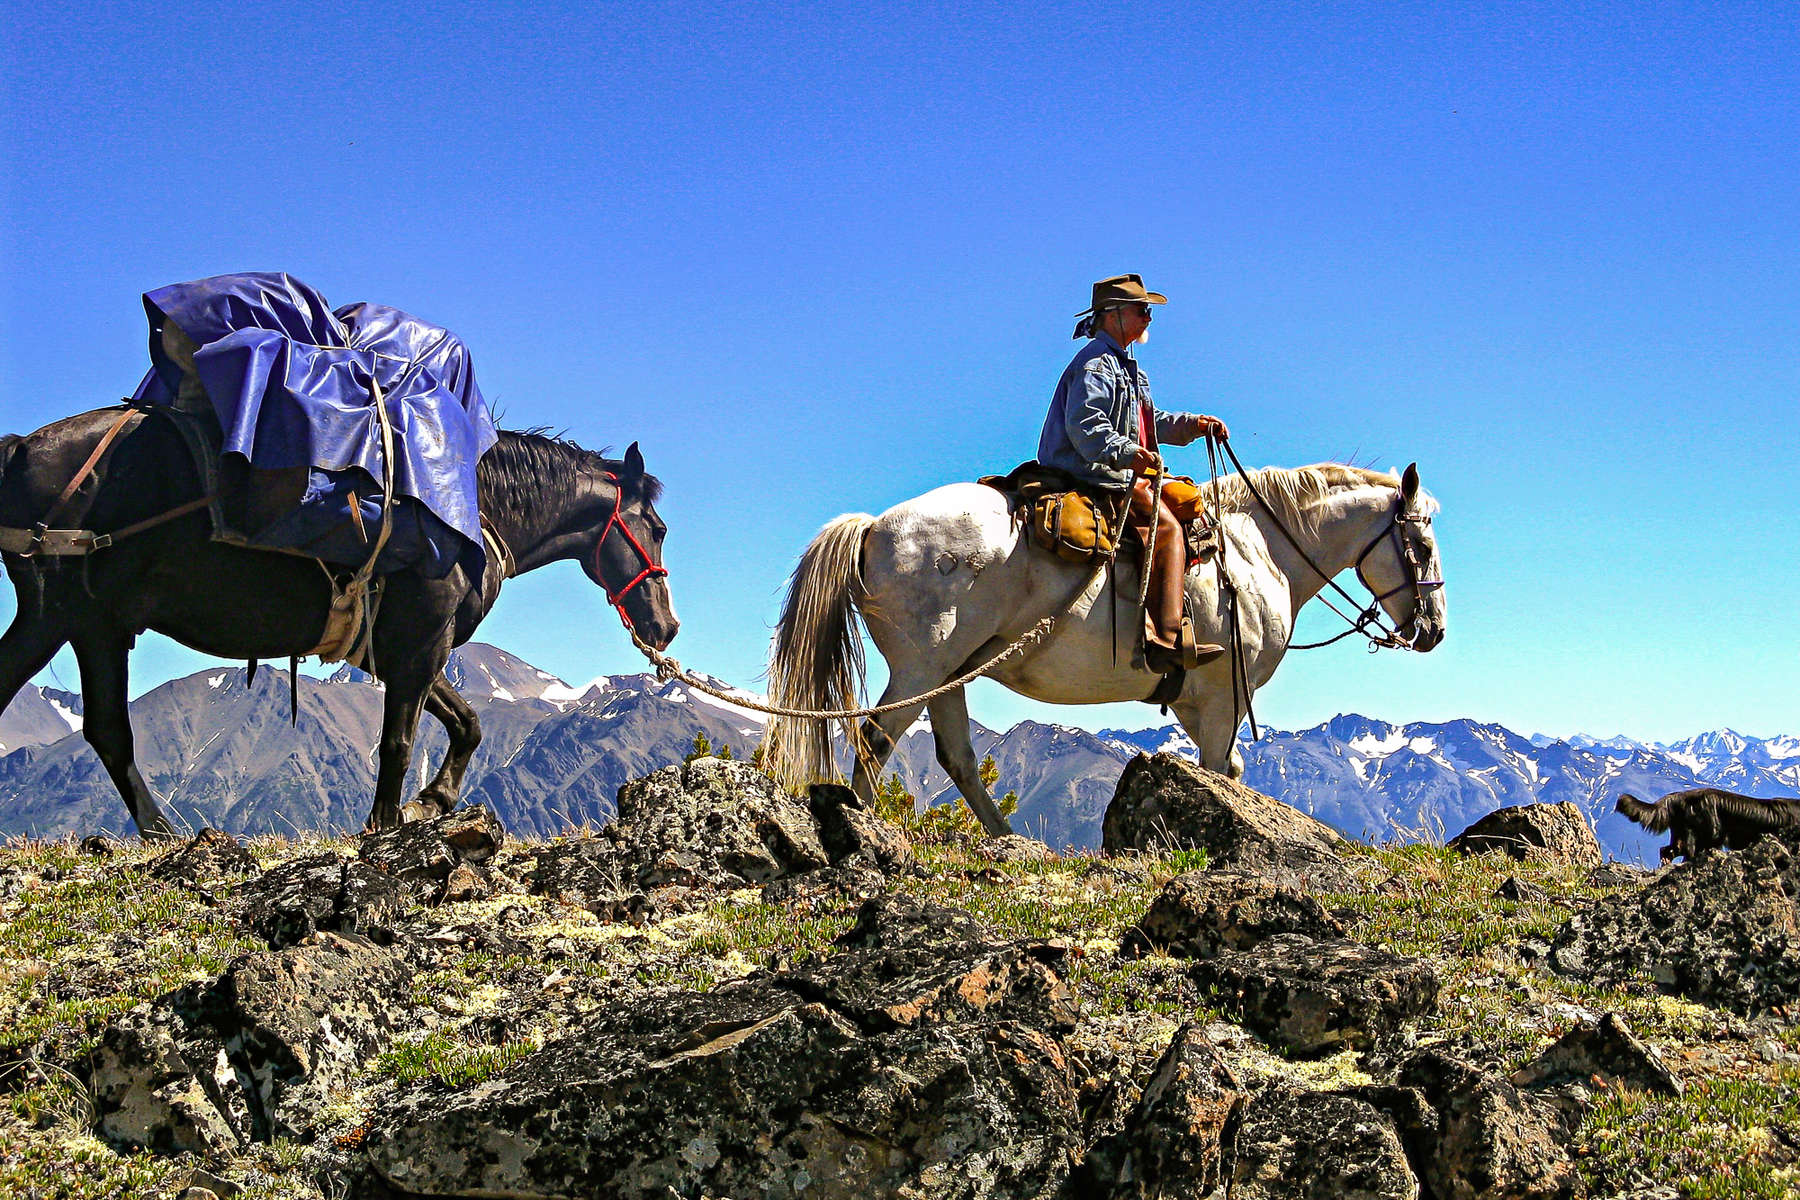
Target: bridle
1369,621
651,570
1415,579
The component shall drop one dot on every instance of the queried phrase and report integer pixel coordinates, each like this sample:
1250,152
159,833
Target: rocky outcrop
207,855
1311,997
245,1056
881,1072
1165,802
1300,1145
846,828
321,892
1542,832
1179,1139
1724,929
1604,1051
438,860
1202,914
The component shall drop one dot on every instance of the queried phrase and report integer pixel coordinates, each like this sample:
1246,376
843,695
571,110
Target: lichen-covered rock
1533,832
588,873
1480,1138
1165,802
1299,1145
207,855
158,1085
1014,848
1606,1050
906,964
846,828
1724,929
1204,913
287,904
1314,997
715,822
873,1080
1177,1140
422,855
262,1045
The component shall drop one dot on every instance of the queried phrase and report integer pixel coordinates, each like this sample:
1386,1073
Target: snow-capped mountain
38,716
220,750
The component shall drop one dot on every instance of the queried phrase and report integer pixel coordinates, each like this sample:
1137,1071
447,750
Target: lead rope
669,668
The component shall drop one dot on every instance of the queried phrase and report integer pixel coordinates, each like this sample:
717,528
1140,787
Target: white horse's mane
1296,491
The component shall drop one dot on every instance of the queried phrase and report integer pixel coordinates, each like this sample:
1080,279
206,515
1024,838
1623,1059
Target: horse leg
464,728
950,729
26,648
1213,726
880,735
106,724
399,725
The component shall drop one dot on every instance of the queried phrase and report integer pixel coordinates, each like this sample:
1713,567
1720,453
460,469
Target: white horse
946,580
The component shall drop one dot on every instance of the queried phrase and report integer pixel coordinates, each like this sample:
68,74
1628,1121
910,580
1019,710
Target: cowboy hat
1121,289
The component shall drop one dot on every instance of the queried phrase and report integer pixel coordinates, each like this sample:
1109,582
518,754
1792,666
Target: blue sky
819,259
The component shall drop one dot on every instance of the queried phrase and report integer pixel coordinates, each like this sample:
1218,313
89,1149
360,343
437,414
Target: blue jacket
1091,431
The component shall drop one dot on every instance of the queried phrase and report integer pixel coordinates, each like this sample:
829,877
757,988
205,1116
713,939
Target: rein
1369,616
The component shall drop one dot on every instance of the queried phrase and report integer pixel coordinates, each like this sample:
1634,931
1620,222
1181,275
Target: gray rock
1311,997
917,1085
1478,1138
1298,1145
1204,913
287,904
251,1054
1533,832
589,873
1014,848
207,855
1605,1049
1178,1139
1724,929
906,964
846,828
715,822
1164,802
422,855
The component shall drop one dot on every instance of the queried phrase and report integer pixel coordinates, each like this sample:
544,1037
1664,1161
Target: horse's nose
1428,638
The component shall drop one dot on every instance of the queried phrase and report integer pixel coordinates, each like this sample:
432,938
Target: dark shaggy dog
1709,819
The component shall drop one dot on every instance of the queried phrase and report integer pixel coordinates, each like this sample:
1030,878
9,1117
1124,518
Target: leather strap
87,468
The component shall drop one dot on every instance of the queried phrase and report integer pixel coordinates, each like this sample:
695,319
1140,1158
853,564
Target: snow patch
70,717
212,681
500,693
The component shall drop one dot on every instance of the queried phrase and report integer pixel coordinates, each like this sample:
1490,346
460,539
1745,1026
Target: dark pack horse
543,499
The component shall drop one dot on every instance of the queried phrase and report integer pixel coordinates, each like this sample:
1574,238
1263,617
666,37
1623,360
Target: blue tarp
289,378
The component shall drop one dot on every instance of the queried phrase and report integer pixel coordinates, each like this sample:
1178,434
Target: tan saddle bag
1072,526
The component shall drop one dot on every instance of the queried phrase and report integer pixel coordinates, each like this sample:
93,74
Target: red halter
652,569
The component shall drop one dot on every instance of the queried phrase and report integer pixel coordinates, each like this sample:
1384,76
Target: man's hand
1215,427
1145,460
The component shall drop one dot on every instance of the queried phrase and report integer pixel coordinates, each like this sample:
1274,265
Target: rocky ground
731,993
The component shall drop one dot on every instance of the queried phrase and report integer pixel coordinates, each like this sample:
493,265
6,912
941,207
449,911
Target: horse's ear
1409,482
634,460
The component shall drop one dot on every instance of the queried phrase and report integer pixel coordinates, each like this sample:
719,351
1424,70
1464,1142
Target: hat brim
1148,298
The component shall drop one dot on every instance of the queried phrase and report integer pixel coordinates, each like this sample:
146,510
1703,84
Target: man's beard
1143,339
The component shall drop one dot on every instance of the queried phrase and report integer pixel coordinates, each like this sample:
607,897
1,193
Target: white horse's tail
816,659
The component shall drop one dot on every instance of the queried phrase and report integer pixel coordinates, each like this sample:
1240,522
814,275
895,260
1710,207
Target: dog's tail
1653,817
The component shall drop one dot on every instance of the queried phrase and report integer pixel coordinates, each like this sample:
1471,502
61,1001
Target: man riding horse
1103,429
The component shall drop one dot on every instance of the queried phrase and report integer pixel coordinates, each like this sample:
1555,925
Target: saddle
1079,522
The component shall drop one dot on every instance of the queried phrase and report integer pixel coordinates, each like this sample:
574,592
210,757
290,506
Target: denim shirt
1091,430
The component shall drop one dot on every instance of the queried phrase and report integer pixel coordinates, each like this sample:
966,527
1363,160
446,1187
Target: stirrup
1193,653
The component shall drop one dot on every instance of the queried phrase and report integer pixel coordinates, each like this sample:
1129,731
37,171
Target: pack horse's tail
816,660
